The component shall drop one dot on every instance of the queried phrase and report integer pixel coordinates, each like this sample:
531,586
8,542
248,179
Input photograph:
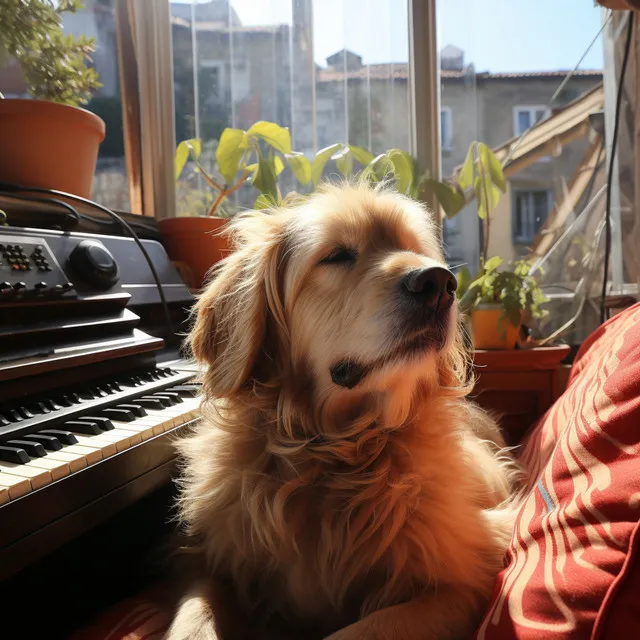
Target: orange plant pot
194,245
490,330
49,145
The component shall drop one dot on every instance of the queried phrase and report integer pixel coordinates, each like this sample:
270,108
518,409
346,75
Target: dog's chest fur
323,540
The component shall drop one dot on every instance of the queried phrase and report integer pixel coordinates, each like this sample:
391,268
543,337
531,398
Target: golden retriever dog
340,480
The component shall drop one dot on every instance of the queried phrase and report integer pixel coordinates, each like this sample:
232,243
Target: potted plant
498,302
500,297
257,157
50,141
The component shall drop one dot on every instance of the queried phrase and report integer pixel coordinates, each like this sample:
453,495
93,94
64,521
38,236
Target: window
525,117
329,71
530,211
446,128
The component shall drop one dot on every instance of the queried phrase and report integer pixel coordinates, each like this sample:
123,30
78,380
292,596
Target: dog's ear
230,330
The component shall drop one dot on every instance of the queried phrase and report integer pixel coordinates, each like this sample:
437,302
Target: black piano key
26,414
64,401
12,415
170,394
151,403
136,409
50,443
113,387
74,397
104,423
39,407
186,390
14,454
99,392
50,404
3,421
165,373
83,426
166,402
120,415
66,437
34,449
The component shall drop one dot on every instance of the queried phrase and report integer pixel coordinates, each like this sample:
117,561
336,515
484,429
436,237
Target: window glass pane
330,70
498,79
96,20
524,121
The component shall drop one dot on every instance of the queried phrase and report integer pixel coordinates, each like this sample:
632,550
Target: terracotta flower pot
490,330
194,245
49,145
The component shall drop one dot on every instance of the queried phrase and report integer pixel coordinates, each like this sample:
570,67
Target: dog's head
345,293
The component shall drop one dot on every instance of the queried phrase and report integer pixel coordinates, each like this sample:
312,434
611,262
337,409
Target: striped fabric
572,567
145,617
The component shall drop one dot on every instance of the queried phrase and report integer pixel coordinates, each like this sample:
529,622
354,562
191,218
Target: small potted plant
257,157
49,141
500,297
499,301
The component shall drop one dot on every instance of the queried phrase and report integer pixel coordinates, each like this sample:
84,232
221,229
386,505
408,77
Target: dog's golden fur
376,512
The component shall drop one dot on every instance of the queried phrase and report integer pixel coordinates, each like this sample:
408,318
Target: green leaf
182,154
273,134
300,166
470,297
402,169
363,156
466,175
382,166
464,280
195,147
451,200
493,263
344,162
279,165
492,166
231,148
321,159
265,178
487,194
264,201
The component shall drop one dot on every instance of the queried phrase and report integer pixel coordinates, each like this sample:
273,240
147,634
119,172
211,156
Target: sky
496,35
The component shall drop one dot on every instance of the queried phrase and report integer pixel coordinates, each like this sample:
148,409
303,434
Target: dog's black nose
433,286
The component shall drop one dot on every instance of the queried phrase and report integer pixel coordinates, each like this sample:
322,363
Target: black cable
614,144
69,210
123,223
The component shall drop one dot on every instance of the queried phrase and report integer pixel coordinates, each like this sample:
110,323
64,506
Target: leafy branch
55,65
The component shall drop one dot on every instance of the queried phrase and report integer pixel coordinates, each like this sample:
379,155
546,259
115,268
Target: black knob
5,285
94,264
40,285
67,286
18,286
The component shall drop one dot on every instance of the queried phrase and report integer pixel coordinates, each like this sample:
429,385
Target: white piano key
4,495
57,468
37,477
105,447
90,454
16,486
74,460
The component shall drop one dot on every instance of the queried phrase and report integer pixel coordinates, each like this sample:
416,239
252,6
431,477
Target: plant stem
225,193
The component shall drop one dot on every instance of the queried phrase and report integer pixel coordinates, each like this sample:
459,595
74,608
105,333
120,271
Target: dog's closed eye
342,256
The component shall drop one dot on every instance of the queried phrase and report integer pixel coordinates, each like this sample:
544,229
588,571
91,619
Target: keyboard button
16,486
90,454
136,409
37,477
82,426
75,461
186,390
13,415
14,454
65,437
48,442
121,415
105,447
165,396
34,449
25,413
101,421
150,403
58,469
170,394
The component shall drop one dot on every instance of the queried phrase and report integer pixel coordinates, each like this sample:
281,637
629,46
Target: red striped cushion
572,567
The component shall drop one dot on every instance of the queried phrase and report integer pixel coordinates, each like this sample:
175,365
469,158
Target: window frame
519,191
531,109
